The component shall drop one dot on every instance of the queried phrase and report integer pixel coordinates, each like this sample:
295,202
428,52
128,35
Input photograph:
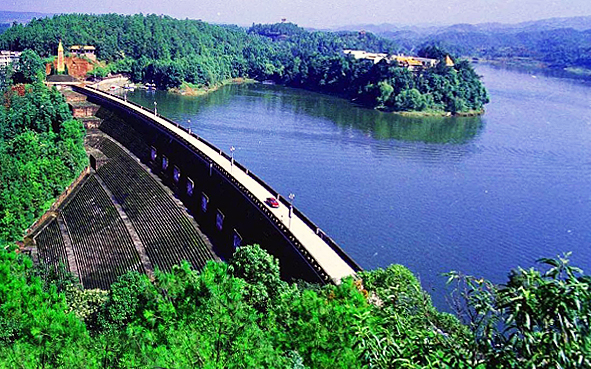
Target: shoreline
535,66
189,89
439,114
106,83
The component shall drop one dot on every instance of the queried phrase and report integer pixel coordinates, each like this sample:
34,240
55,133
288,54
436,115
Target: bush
260,270
537,320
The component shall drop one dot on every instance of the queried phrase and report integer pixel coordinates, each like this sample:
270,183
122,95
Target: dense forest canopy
41,146
170,52
241,314
558,48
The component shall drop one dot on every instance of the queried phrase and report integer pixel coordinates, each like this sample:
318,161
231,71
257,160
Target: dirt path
106,84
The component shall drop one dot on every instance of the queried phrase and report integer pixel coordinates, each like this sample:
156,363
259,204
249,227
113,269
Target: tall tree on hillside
30,68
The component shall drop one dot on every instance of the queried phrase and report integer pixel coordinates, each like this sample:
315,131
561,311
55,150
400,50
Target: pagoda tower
448,61
61,67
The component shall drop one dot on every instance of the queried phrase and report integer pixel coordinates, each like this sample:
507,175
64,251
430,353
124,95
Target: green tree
29,68
386,91
260,270
36,329
99,72
6,73
404,327
409,100
41,152
169,52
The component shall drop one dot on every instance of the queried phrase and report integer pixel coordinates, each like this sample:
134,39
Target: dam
156,194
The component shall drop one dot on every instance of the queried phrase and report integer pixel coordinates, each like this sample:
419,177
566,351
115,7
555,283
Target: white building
410,62
362,54
79,50
7,57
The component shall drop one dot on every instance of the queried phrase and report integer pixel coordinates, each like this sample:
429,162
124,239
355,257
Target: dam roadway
321,253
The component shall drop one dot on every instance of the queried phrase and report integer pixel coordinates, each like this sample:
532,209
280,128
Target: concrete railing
280,225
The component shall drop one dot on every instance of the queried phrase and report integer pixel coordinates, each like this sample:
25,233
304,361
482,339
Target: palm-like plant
536,320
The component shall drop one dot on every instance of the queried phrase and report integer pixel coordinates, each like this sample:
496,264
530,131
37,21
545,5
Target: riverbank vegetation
553,48
169,52
192,89
241,314
41,146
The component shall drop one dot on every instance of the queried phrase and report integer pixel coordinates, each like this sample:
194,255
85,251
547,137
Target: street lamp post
291,198
232,149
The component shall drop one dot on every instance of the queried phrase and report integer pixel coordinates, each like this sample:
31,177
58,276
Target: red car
272,202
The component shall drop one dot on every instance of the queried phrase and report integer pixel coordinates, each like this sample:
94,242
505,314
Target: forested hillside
558,48
170,52
41,146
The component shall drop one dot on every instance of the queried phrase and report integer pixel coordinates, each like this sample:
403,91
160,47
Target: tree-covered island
177,54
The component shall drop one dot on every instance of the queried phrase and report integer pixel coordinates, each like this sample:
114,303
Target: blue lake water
481,195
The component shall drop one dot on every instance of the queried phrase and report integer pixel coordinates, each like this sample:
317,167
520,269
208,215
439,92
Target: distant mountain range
20,17
556,42
581,23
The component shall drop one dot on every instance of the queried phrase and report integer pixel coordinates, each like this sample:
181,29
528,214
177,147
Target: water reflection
379,125
478,195
534,70
429,130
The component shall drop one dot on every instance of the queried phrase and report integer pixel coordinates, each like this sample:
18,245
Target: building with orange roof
87,51
73,65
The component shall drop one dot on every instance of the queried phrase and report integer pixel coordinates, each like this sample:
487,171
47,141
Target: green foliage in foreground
536,320
41,149
241,314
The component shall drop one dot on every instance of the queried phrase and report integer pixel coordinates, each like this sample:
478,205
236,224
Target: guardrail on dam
226,199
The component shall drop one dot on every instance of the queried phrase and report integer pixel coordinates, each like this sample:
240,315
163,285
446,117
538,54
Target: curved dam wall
227,211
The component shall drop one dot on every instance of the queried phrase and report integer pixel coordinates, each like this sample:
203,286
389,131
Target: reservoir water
480,195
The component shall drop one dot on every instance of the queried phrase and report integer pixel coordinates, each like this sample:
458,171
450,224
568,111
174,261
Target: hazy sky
321,13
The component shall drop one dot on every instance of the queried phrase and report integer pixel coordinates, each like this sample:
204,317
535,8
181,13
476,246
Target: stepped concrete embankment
226,199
